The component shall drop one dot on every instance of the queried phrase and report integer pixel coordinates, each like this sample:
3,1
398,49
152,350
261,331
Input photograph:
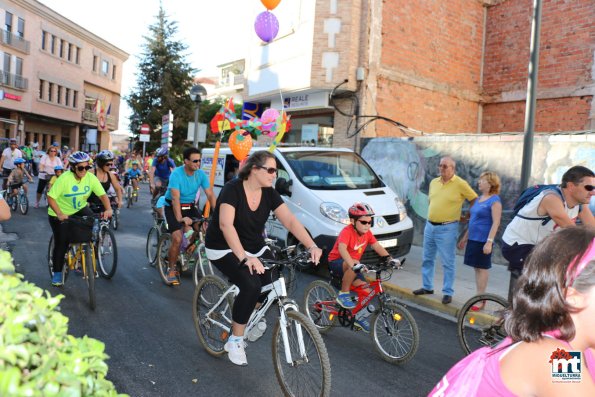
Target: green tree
164,79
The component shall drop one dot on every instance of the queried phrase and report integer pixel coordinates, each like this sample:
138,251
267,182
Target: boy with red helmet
349,248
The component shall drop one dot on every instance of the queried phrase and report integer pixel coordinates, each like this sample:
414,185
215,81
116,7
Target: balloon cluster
272,123
267,24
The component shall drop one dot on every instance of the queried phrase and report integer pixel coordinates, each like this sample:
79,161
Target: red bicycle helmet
360,209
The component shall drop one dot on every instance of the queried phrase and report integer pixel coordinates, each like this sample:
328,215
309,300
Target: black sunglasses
366,222
589,188
270,170
195,161
108,164
83,167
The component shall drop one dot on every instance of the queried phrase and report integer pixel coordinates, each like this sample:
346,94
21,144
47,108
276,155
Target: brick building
59,81
459,66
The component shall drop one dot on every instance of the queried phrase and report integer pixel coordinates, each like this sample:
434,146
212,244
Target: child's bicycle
19,200
300,357
194,260
480,322
392,328
80,255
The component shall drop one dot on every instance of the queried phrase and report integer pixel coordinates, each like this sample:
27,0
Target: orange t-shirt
356,244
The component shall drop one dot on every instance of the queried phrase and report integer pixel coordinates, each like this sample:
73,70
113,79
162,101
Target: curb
406,294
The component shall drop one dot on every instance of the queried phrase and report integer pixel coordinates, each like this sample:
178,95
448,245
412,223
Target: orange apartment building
54,75
456,66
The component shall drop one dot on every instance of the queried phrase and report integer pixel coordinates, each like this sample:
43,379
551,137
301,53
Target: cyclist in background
17,176
58,170
9,154
28,156
160,171
104,161
132,175
68,197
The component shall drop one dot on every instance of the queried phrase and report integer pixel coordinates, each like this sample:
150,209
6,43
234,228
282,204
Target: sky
212,29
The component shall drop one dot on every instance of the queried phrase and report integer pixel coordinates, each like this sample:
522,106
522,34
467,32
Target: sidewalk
404,281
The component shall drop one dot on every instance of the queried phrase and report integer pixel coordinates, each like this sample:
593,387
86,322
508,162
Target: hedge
37,356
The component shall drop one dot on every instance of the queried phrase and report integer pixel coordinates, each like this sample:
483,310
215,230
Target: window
8,22
19,67
69,54
78,56
104,67
44,35
53,45
21,27
50,91
67,97
6,65
41,84
94,63
59,94
75,95
62,45
114,72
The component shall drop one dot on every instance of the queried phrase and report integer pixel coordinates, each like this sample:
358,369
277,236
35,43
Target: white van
319,185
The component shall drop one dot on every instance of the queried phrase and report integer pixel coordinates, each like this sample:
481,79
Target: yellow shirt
446,199
71,195
52,181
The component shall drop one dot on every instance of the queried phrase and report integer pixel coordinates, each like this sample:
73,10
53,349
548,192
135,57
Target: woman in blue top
483,226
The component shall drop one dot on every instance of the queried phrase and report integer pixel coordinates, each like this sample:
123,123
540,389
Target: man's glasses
443,166
83,167
589,188
270,170
195,161
365,223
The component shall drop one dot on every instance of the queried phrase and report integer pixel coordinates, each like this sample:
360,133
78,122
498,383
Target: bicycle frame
75,254
276,292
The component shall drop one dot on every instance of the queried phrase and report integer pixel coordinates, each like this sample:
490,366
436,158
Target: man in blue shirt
160,171
180,205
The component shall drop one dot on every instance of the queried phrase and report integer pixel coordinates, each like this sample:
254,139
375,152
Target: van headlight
401,208
335,212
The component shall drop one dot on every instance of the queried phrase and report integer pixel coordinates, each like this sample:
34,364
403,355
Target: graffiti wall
408,165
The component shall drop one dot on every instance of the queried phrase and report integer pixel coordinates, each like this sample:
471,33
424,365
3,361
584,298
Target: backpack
529,194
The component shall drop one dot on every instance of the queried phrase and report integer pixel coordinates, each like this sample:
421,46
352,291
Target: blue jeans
441,239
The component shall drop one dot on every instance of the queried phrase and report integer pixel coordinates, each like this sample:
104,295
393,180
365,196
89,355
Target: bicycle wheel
13,203
88,266
50,255
484,327
23,204
394,333
152,243
162,256
309,372
319,303
128,197
115,219
212,324
107,253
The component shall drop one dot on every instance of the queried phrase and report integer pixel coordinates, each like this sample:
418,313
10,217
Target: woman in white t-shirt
46,170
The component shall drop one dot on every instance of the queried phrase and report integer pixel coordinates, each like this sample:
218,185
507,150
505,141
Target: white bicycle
300,358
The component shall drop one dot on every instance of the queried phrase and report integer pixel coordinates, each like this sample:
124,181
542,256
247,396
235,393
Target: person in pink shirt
552,318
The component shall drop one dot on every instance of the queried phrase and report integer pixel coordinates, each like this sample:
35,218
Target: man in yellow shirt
447,194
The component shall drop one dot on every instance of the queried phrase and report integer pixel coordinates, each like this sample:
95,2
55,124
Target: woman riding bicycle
104,161
68,197
234,240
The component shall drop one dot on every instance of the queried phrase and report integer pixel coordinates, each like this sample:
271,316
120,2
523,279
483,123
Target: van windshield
332,170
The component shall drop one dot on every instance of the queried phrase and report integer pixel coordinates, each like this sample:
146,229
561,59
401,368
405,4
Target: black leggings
42,182
61,240
249,284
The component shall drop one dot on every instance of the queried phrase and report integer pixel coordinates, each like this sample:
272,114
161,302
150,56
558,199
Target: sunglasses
195,161
365,223
53,151
270,170
589,188
108,164
83,167
443,166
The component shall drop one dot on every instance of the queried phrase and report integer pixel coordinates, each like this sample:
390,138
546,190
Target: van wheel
301,266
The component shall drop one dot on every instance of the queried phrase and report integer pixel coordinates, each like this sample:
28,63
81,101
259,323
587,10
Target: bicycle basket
80,230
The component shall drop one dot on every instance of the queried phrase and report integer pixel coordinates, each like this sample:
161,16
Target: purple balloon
266,26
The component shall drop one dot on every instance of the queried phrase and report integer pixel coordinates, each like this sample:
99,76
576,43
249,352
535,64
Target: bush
37,356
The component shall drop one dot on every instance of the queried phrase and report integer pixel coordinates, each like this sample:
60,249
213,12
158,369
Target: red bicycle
392,327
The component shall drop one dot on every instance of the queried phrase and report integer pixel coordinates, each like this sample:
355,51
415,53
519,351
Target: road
154,351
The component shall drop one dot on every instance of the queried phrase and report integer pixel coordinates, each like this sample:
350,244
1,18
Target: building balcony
15,41
14,81
231,81
89,116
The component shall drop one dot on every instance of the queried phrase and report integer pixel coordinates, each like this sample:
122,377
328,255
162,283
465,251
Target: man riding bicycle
160,171
180,206
68,197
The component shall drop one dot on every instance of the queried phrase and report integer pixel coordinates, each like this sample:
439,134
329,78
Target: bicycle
196,260
128,193
480,322
80,254
19,200
393,328
297,347
115,221
159,228
105,241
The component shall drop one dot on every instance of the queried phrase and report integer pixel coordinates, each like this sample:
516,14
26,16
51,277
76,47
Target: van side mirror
283,186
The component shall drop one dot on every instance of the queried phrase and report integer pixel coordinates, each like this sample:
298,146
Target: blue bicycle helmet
19,161
161,152
58,168
78,157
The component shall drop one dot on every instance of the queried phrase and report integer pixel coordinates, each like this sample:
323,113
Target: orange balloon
270,4
240,147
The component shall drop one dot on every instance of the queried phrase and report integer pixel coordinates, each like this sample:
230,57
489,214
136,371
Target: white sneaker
236,352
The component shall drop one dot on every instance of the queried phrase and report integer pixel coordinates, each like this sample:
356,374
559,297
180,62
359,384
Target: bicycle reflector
224,335
472,320
331,316
397,317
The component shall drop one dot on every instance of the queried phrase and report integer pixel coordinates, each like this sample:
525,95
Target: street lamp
198,94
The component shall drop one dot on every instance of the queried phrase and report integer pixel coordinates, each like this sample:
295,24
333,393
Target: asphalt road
149,335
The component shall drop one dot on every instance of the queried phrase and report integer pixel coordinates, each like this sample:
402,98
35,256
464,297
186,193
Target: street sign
167,130
144,138
145,129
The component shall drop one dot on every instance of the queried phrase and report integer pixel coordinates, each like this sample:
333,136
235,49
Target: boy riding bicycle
133,174
17,177
348,250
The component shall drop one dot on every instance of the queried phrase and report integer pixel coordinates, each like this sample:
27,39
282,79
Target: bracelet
244,261
312,247
491,240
